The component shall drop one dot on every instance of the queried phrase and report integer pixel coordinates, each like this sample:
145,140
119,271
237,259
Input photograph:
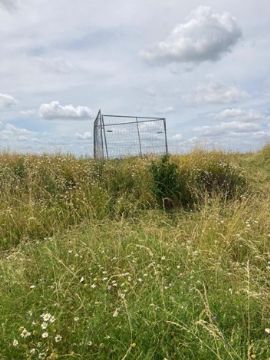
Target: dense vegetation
135,259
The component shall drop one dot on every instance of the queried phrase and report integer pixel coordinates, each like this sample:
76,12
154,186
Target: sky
202,65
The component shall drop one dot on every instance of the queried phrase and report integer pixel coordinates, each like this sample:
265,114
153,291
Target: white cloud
215,93
84,136
225,128
242,115
205,36
28,113
6,101
9,132
56,111
236,123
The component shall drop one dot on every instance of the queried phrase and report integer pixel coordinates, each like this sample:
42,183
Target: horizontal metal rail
131,122
134,117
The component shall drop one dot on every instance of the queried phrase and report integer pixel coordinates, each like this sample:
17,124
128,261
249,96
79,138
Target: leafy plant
187,184
170,185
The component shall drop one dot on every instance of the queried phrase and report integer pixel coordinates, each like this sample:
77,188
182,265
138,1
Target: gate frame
100,125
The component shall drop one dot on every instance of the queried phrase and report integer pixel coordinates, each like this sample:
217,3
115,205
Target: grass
93,266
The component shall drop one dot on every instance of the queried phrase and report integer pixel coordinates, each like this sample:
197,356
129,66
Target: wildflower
82,279
52,319
44,325
25,333
46,316
115,314
33,351
15,343
76,319
42,356
163,258
93,286
267,330
32,286
89,343
58,338
45,335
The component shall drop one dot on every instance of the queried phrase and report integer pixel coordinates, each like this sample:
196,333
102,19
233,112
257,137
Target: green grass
92,245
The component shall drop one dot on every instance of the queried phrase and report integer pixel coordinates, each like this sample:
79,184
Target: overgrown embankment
44,195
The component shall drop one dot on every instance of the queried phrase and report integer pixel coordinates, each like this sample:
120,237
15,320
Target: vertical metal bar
105,139
101,136
95,135
165,134
95,140
139,136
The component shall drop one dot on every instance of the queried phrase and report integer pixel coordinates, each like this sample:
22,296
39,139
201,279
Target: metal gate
117,136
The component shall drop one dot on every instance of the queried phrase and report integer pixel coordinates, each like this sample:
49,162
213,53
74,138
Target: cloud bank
242,115
215,93
236,122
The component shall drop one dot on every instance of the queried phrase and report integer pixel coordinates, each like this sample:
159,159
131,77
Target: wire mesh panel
117,136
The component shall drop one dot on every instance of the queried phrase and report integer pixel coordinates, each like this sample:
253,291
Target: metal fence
117,136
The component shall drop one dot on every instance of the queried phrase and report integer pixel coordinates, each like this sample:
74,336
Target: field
135,259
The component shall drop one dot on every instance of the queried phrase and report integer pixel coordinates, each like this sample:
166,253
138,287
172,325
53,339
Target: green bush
188,183
170,184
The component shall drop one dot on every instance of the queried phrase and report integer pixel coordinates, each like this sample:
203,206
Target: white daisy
58,338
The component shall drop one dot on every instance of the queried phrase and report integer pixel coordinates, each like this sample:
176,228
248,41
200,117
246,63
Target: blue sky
202,65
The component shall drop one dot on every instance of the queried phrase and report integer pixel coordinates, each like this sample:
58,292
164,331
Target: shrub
170,185
187,183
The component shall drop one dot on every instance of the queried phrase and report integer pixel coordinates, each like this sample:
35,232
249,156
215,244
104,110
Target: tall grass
92,267
42,195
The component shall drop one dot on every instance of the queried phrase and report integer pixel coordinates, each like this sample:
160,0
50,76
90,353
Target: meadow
136,258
